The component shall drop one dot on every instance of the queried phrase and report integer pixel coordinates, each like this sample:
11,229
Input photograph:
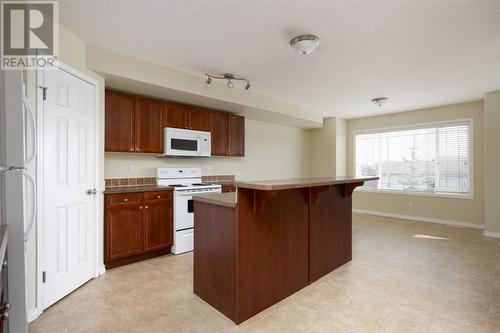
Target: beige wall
327,152
341,147
271,152
322,153
492,161
454,209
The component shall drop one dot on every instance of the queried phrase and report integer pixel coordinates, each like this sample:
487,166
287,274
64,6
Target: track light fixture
379,100
229,77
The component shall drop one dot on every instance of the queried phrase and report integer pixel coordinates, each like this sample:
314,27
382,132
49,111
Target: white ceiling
418,53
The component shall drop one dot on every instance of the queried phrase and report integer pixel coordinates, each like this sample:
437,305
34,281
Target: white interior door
68,173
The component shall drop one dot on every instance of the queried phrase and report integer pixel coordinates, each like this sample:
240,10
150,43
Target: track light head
209,79
248,85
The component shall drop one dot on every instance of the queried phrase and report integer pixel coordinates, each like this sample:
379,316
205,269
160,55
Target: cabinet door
219,130
177,115
124,231
199,119
148,125
236,135
158,231
119,122
228,188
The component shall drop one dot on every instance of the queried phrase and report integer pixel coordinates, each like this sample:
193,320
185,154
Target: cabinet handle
146,207
126,199
140,207
159,197
5,307
4,315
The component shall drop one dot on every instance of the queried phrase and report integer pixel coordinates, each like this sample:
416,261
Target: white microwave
182,142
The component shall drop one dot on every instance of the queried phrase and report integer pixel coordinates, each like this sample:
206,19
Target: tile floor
404,277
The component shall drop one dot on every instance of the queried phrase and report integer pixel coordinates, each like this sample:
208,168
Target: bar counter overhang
268,240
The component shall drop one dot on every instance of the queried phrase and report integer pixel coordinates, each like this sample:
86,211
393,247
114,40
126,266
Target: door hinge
44,93
44,276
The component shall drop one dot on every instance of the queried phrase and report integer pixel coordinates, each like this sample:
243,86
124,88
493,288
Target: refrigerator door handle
33,216
31,117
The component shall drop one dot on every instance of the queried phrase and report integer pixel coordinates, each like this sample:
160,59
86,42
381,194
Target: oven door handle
187,194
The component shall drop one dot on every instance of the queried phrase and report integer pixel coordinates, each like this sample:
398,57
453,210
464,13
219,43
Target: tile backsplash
218,178
115,182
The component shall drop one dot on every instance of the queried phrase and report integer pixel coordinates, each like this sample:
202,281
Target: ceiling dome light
379,100
304,44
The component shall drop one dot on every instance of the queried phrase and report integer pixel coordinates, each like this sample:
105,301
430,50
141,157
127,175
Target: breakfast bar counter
270,239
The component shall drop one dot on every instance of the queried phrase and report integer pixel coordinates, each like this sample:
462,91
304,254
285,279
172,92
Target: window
432,158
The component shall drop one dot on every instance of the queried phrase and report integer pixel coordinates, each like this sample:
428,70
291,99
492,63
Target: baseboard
420,219
102,270
492,234
34,314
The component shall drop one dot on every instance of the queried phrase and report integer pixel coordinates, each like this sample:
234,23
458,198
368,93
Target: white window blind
427,159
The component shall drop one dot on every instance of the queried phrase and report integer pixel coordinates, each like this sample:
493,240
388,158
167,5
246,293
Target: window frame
470,122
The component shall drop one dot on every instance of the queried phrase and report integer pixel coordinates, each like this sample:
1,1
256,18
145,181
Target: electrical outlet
131,168
410,203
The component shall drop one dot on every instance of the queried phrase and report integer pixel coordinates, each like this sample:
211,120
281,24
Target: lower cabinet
156,235
228,188
137,226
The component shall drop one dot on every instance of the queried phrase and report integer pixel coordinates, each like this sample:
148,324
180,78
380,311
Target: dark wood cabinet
158,222
148,125
228,188
123,226
119,122
188,117
236,134
228,134
218,127
199,119
135,124
137,226
177,115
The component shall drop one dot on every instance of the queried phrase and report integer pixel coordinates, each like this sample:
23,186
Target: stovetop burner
199,184
177,185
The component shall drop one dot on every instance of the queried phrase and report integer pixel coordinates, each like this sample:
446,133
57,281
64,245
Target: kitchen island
270,239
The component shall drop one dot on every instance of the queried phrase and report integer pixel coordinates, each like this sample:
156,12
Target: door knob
91,191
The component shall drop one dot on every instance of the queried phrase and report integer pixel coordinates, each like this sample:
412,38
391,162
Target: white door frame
38,310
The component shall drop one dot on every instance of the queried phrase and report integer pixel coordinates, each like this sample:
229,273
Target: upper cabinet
148,125
228,134
199,119
135,124
177,115
188,117
218,128
119,122
236,141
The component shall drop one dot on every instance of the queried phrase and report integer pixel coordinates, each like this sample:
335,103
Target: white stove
186,182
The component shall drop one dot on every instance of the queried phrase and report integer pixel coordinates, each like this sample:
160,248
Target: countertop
272,185
132,189
221,199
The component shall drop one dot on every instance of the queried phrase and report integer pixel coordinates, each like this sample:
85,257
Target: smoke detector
379,100
304,44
